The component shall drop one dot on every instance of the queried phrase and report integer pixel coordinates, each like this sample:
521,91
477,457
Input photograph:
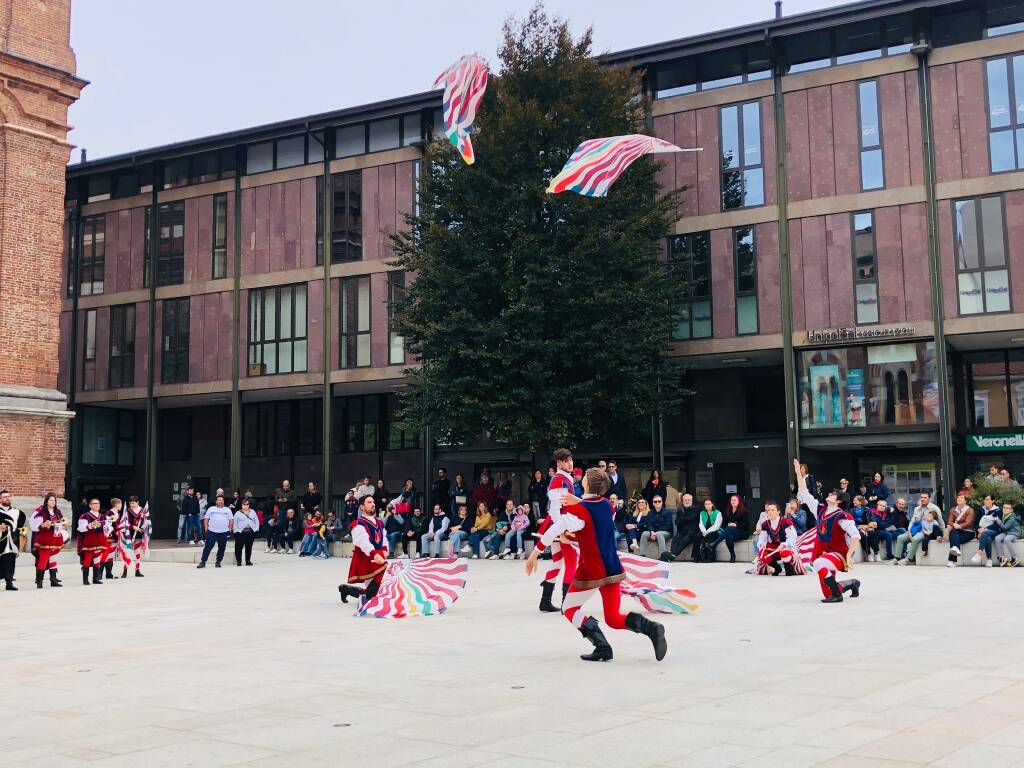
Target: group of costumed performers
100,536
12,528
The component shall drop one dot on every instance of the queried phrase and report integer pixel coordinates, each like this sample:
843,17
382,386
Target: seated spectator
458,531
634,525
308,536
709,525
272,530
901,514
686,535
394,527
886,529
960,528
619,516
736,525
924,525
514,536
293,530
483,526
502,525
334,528
349,514
862,519
415,526
877,489
658,526
437,531
1001,531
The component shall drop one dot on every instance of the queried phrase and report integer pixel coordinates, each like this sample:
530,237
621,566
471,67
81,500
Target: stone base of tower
33,441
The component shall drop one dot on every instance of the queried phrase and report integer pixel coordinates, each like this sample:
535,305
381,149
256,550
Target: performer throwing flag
776,544
49,534
563,556
599,569
133,537
369,554
92,544
837,541
12,521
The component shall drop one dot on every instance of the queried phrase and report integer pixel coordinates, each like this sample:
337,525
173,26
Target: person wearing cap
836,542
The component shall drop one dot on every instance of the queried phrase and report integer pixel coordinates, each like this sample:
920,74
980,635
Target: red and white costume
835,530
563,556
776,547
93,546
133,537
368,540
48,542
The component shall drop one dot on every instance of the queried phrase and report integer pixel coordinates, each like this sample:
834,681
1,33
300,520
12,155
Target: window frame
259,345
686,263
320,220
741,168
976,200
1014,126
346,338
737,294
92,226
219,243
344,244
880,146
147,256
120,315
88,350
397,291
172,260
858,280
176,309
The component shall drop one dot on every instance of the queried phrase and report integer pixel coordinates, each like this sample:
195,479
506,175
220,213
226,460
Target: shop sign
996,441
854,333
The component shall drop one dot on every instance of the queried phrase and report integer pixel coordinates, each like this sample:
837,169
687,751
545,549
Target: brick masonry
37,85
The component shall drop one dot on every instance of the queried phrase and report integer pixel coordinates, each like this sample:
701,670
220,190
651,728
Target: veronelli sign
853,333
996,441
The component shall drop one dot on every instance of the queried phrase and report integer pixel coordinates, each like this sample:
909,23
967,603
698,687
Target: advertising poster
856,415
826,398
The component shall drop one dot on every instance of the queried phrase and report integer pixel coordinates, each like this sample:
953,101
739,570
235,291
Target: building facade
848,229
37,85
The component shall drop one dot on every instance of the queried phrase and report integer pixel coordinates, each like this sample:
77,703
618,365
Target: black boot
109,568
54,581
124,572
10,585
546,606
565,591
346,591
776,568
852,586
790,570
640,624
39,579
85,575
665,557
837,592
592,631
138,572
97,574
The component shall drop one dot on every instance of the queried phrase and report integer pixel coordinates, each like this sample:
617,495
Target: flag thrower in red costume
837,541
563,555
92,542
369,554
50,533
776,544
598,570
133,536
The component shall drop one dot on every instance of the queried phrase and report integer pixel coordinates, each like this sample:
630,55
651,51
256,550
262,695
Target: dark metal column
154,242
235,450
328,142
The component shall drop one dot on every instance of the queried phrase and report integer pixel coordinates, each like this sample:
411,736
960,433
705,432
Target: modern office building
849,228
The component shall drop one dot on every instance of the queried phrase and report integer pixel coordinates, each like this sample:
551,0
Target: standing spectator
460,495
960,528
415,527
204,503
311,499
410,496
292,530
350,512
12,520
503,489
235,503
886,529
655,485
285,499
441,489
363,489
502,526
843,495
577,482
537,494
602,465
967,489
736,525
437,531
483,525
657,526
245,524
217,523
618,482
621,517
381,495
484,493
635,524
710,526
877,490
1004,473
182,518
686,535
517,529
190,507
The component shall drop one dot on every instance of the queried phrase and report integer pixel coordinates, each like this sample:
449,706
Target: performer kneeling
598,569
776,544
836,542
369,554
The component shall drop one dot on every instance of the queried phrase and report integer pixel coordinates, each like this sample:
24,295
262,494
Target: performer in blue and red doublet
563,555
836,542
776,544
92,542
369,554
592,520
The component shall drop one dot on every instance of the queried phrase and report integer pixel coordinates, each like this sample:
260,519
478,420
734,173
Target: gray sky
167,71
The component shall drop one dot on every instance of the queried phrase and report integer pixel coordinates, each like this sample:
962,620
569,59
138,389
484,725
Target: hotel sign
996,441
853,333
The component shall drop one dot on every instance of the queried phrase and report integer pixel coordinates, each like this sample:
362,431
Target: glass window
122,346
746,281
980,243
175,431
1016,386
108,436
956,28
355,322
126,184
277,330
350,140
1004,17
690,258
988,404
721,68
740,139
872,174
436,123
356,423
675,78
220,236
412,129
93,259
174,341
171,253
1004,84
176,173
865,276
812,50
396,295
204,168
291,151
384,134
400,437
226,158
259,157
319,219
90,334
315,147
98,189
347,219
858,42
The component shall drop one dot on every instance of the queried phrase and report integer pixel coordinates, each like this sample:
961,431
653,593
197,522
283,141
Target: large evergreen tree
539,319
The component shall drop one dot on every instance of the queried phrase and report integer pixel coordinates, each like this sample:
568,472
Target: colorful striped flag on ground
645,583
464,84
597,163
422,587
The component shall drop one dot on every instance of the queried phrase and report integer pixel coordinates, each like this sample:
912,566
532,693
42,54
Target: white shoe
476,556
489,556
902,561
977,558
634,548
465,550
951,563
988,563
408,555
503,556
872,558
954,551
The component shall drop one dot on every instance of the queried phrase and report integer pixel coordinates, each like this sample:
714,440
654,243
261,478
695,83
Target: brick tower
37,85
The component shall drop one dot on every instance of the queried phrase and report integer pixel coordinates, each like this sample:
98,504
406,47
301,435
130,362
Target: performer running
111,529
776,544
836,542
369,554
132,536
49,535
12,523
599,569
92,543
563,555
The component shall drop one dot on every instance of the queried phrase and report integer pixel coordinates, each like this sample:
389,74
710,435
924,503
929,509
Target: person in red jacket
837,541
369,554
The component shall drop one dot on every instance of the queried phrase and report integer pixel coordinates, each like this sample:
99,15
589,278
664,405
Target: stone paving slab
262,666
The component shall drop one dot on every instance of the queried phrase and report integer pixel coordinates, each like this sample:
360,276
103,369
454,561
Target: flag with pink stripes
646,583
597,163
464,84
423,587
805,546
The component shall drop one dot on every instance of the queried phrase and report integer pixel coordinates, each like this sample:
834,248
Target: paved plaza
262,666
